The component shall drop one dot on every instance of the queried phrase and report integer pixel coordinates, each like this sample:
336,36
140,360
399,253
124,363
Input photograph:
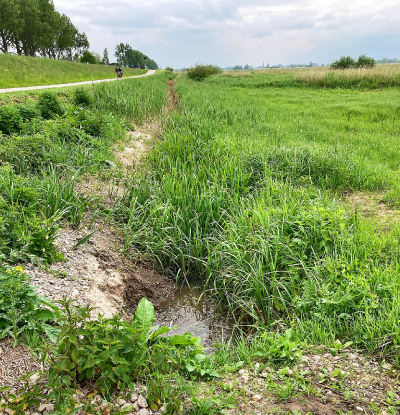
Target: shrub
88,57
365,61
82,97
168,68
28,112
200,71
10,120
344,62
49,105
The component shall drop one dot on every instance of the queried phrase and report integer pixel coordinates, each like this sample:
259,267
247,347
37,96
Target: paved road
31,88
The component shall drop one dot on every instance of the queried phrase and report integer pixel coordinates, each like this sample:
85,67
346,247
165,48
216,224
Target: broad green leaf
43,315
144,315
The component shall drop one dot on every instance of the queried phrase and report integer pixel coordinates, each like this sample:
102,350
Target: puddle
195,313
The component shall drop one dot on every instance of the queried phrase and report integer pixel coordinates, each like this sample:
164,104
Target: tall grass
381,76
20,71
244,194
135,99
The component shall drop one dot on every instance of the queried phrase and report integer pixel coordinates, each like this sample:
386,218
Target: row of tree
126,56
35,27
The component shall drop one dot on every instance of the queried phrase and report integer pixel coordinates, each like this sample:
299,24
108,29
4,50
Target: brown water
194,312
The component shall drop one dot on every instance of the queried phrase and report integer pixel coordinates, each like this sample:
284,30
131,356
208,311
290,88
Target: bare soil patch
14,362
97,274
371,205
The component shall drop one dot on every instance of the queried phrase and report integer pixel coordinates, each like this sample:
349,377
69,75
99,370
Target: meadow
249,190
381,76
20,71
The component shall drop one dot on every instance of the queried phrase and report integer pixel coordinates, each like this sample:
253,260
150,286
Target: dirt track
32,88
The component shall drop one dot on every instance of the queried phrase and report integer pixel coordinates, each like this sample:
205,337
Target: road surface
32,88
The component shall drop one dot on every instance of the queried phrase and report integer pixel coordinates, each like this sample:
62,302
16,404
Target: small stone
103,404
76,398
142,402
50,407
33,379
387,366
35,413
242,372
359,409
121,402
290,372
245,379
144,411
257,398
134,397
8,411
42,408
75,293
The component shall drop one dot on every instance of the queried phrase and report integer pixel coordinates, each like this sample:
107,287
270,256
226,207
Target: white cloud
180,33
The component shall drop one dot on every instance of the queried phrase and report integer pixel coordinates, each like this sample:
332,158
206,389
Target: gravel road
32,88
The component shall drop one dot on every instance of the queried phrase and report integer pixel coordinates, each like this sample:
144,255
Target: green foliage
128,57
276,348
10,120
88,57
20,307
49,105
201,71
365,61
112,354
168,68
346,62
82,97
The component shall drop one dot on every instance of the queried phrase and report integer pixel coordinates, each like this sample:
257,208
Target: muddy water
195,313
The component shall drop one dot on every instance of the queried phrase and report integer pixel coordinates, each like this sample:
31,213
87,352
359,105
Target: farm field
281,199
21,71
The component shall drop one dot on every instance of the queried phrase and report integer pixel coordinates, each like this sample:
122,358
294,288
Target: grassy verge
20,71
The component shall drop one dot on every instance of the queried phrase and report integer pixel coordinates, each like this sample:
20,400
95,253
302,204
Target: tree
88,57
121,53
105,59
9,24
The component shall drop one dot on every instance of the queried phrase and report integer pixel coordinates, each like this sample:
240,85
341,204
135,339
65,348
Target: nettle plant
111,355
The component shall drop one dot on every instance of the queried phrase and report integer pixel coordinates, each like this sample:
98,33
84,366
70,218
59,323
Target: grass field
382,76
247,193
20,71
251,189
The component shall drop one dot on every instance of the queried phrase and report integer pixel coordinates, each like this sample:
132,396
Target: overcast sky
180,33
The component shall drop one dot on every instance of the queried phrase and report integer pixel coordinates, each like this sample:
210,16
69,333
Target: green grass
21,71
245,191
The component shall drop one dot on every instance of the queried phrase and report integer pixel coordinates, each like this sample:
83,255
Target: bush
365,61
82,97
88,57
28,112
346,62
200,71
49,105
168,68
10,120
